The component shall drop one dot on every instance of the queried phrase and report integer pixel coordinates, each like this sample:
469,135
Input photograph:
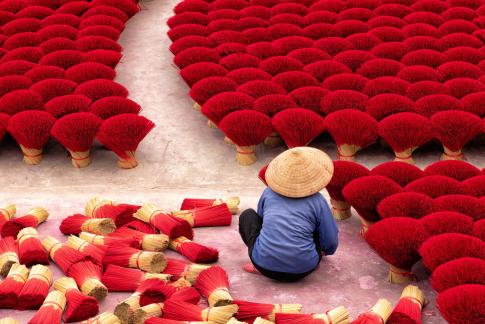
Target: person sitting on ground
293,224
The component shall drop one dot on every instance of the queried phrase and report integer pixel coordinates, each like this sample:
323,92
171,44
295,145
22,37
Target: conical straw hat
299,172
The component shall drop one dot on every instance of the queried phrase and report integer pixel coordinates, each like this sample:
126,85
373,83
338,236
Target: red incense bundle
458,272
88,277
11,287
181,269
352,130
140,226
167,224
213,284
78,223
76,133
435,186
62,255
397,240
193,203
36,288
195,252
30,248
468,205
117,278
479,229
475,186
405,132
6,213
338,315
442,248
121,214
95,253
79,306
33,219
298,126
186,294
408,309
458,170
103,318
101,241
249,310
51,310
343,173
147,242
400,172
188,312
218,215
122,134
8,255
30,130
406,204
462,304
246,128
142,314
454,128
125,256
378,314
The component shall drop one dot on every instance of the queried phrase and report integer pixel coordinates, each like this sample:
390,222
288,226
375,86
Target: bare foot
249,267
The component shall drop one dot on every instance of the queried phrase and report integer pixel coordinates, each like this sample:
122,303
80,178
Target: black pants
250,225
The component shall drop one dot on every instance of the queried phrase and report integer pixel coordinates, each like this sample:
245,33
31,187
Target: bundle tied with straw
62,255
7,212
233,320
146,312
88,277
8,255
34,218
378,314
338,315
78,223
249,310
260,320
121,214
167,224
79,306
125,256
125,279
184,311
147,242
8,320
213,284
192,203
36,288
195,252
30,248
218,215
157,320
408,309
102,241
51,310
95,253
11,287
103,318
180,269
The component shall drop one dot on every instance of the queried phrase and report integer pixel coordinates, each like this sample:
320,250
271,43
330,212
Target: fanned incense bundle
92,251
125,256
298,126
34,218
188,312
378,314
103,318
30,248
11,287
458,170
78,223
125,279
6,213
338,315
408,309
213,284
458,272
218,215
147,242
195,252
36,288
62,255
8,255
51,310
405,204
399,172
435,186
126,308
181,269
249,310
79,306
193,203
462,304
88,277
102,208
447,222
468,205
167,224
101,241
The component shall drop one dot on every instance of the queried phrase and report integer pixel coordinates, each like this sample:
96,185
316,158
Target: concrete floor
182,158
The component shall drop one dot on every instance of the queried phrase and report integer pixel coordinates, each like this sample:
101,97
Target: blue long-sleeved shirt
286,242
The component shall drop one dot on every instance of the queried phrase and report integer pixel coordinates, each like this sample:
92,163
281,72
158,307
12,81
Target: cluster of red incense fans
57,61
407,71
436,215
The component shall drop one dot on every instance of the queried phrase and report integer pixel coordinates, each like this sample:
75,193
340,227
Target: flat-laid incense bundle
213,284
379,313
118,278
408,309
338,315
78,223
125,256
250,310
51,310
101,241
34,218
195,252
8,255
148,242
103,318
193,203
7,212
88,277
145,312
92,251
188,312
181,269
79,306
30,248
36,288
233,320
165,223
260,320
11,287
8,320
121,214
62,255
218,215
